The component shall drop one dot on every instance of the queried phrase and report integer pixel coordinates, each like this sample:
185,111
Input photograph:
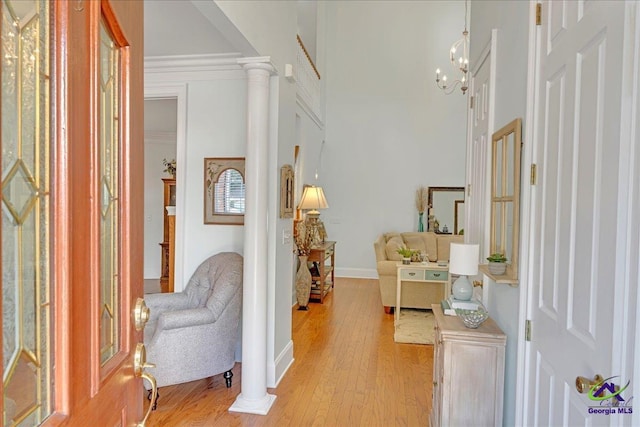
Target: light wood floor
348,371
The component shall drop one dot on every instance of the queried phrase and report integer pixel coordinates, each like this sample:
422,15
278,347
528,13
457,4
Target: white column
253,397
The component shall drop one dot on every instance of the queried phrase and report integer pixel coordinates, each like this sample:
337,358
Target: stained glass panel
26,333
109,187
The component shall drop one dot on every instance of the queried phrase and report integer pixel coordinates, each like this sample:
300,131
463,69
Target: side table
322,282
428,272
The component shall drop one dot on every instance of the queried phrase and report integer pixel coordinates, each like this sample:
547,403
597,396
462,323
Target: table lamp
464,262
313,199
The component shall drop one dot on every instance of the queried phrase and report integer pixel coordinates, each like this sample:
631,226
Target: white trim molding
178,91
180,68
357,273
177,63
277,369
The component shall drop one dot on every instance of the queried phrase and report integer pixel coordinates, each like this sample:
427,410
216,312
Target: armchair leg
227,377
154,403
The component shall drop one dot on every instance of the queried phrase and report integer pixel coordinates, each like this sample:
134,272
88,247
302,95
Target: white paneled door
579,226
478,164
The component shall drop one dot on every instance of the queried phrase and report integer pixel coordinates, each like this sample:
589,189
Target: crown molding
191,63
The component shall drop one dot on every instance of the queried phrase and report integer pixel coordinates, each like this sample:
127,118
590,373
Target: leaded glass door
26,222
71,190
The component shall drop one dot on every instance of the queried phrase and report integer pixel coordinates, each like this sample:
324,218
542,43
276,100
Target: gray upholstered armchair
194,334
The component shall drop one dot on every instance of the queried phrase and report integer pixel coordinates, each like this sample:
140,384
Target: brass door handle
584,384
140,314
139,365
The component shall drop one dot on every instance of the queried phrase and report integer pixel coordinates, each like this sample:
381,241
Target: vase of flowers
422,199
170,167
303,237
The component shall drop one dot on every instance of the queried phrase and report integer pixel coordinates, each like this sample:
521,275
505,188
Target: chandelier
459,58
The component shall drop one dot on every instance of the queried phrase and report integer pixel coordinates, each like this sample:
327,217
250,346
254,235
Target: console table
322,282
468,372
427,272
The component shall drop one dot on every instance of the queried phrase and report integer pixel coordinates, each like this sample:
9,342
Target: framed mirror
224,190
442,202
458,219
505,195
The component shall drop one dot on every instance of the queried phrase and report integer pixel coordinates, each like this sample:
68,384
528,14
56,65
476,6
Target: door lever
584,384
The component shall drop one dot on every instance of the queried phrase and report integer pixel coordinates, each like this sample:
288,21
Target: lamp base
317,228
462,289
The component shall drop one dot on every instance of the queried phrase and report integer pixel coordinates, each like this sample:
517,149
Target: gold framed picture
224,190
286,191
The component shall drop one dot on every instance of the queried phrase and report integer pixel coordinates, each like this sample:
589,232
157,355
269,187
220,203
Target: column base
253,406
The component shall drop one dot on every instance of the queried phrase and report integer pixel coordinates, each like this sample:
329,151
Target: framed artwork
286,191
224,190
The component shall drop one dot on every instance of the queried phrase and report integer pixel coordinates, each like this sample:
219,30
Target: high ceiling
177,27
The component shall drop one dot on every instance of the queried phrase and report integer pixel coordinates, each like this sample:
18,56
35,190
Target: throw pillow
432,247
416,243
393,244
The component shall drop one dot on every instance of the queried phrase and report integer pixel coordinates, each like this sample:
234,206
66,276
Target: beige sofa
414,294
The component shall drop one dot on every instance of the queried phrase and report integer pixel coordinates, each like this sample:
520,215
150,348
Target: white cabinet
468,373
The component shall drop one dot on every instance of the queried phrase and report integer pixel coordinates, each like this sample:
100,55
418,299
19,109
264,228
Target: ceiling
177,27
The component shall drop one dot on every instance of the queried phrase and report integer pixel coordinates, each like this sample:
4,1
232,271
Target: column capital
258,63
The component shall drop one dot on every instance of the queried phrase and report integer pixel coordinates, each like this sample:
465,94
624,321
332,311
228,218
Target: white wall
512,21
216,127
389,129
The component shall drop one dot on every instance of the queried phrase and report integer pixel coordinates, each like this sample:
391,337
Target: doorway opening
160,148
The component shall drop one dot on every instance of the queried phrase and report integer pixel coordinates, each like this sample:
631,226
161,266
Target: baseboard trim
277,369
357,273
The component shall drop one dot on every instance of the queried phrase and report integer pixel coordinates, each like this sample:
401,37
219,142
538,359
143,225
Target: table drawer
436,275
412,274
328,252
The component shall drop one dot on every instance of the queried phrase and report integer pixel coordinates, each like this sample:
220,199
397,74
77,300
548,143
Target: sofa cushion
424,241
388,236
444,244
417,243
393,244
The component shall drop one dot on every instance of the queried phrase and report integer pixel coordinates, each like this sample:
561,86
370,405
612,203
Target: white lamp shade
463,259
313,198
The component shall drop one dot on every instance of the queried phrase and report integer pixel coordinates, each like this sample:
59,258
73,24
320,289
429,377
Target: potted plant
406,254
170,167
497,263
